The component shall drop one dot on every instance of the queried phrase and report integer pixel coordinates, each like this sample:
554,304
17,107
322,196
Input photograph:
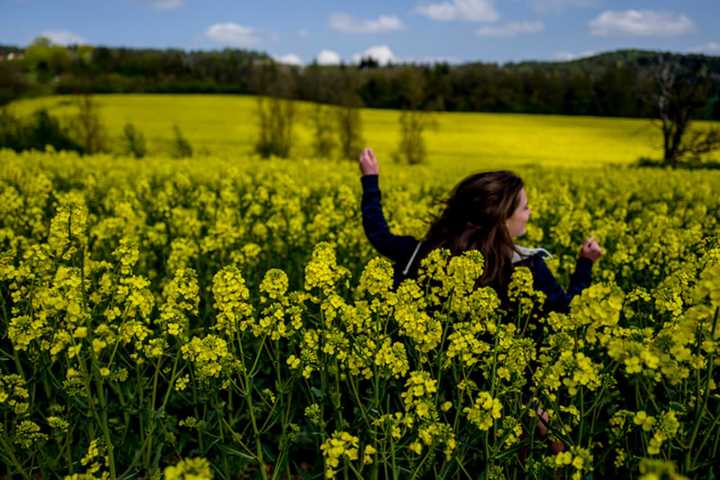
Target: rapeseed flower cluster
522,293
576,459
485,411
322,272
189,469
180,301
340,446
209,355
235,313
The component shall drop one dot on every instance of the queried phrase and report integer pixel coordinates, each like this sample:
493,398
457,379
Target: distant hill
638,58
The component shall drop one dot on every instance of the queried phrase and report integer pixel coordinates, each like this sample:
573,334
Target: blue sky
299,31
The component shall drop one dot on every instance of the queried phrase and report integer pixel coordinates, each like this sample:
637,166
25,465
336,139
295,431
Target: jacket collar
521,253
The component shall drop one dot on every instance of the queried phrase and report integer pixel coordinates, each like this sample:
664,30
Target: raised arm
557,299
396,248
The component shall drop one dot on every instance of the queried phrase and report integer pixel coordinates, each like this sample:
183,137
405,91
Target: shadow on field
646,162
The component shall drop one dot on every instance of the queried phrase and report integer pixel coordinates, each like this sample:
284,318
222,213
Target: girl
486,212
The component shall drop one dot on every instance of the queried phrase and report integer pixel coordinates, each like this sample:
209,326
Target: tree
322,124
368,62
413,121
681,92
12,82
181,146
45,130
46,60
88,127
348,126
40,130
275,110
411,148
276,117
134,141
12,131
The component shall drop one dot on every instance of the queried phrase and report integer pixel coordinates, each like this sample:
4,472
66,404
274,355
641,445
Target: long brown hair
474,218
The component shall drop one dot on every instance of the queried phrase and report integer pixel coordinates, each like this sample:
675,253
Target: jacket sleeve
396,248
558,300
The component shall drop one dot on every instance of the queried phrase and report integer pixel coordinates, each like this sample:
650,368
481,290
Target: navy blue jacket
402,249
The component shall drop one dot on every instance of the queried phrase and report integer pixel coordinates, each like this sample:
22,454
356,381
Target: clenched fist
368,162
591,249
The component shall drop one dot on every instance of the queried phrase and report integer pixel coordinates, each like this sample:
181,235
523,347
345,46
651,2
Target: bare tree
276,117
349,126
700,143
411,148
275,112
679,95
134,141
181,147
414,121
88,127
322,124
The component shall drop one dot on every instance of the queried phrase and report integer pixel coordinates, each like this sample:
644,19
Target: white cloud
510,29
303,33
63,37
644,23
380,53
289,59
345,23
469,10
710,47
556,6
328,57
567,56
232,34
166,4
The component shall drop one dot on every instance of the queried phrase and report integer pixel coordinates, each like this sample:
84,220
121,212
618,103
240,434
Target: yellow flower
209,355
189,469
340,445
563,458
368,453
485,411
293,362
231,301
644,420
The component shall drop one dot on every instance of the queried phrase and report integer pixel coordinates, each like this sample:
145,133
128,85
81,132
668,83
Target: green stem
582,415
707,436
422,462
353,387
104,425
13,458
251,411
153,399
700,410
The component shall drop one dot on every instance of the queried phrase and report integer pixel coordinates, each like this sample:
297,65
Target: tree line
611,84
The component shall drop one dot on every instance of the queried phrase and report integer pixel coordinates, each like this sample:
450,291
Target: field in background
224,125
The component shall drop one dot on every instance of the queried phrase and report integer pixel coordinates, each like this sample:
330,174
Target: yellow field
224,125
